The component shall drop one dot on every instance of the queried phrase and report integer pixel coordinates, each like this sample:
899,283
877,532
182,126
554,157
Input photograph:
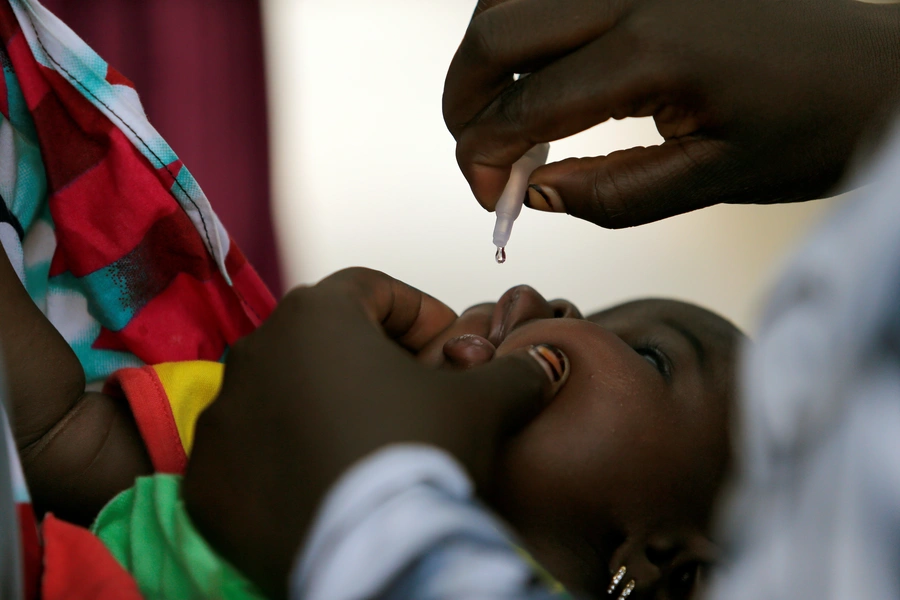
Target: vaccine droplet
500,256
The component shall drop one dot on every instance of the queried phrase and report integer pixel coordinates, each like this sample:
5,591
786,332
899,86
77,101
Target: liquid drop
500,256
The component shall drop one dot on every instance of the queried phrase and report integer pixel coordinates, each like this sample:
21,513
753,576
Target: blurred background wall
364,174
363,171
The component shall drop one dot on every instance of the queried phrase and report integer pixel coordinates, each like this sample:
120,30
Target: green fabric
149,532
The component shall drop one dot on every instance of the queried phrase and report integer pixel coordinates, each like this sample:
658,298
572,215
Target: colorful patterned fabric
166,401
109,232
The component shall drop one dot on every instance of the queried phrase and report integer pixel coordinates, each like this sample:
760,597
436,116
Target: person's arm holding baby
329,379
78,448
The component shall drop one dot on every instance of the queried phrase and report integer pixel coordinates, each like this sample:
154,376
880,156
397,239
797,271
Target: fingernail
468,351
544,198
468,338
553,360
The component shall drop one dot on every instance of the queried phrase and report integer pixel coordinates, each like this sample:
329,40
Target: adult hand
329,378
758,101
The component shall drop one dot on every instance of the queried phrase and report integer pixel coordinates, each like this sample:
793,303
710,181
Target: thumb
509,391
635,186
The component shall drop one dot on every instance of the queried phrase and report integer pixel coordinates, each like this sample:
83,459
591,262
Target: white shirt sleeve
403,524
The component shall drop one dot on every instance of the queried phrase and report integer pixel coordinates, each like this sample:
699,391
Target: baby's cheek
608,381
589,347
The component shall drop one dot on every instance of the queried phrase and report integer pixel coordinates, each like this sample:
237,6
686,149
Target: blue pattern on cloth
78,307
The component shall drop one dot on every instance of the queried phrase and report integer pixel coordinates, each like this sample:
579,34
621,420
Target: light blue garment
401,525
817,511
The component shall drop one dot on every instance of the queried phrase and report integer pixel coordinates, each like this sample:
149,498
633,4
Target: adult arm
328,379
760,101
78,448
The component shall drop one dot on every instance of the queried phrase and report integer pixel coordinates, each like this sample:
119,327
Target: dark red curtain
199,70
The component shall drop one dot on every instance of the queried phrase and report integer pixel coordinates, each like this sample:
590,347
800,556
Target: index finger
506,37
409,316
509,37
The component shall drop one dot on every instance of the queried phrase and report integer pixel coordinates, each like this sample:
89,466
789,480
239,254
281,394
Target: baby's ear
676,563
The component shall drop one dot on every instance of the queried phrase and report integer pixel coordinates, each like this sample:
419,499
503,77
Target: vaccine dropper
510,204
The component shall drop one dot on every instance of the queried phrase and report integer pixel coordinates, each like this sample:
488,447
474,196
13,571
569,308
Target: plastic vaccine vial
510,204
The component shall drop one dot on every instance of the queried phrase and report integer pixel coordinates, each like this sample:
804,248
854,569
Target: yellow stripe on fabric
190,386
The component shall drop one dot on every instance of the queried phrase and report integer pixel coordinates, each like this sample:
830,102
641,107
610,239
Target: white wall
364,174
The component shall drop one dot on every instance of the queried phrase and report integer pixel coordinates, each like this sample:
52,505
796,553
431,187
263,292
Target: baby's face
631,450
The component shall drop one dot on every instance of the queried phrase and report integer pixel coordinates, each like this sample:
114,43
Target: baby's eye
657,358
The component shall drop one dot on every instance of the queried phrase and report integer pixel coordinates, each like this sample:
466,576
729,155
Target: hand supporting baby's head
623,466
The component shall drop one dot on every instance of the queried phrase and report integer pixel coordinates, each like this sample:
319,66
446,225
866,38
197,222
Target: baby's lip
517,305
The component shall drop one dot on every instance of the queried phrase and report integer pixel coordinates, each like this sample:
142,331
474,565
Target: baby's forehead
714,329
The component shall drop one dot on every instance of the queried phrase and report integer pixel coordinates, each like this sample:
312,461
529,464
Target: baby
623,466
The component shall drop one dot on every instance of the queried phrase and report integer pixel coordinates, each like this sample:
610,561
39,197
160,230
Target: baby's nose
518,305
563,309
